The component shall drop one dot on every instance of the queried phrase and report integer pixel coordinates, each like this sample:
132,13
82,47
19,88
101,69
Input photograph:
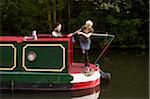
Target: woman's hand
80,33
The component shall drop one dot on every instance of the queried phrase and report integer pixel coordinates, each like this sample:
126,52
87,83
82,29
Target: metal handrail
103,35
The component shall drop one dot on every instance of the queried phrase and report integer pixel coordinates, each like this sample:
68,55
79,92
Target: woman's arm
71,34
84,34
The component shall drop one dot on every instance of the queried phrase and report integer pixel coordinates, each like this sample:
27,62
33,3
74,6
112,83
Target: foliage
22,16
127,33
127,19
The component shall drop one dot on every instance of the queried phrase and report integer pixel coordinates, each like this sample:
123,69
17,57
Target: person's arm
84,34
71,34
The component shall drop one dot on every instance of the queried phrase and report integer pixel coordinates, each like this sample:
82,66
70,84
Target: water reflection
93,93
91,96
129,70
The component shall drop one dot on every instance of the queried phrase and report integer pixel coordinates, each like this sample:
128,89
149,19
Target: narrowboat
42,62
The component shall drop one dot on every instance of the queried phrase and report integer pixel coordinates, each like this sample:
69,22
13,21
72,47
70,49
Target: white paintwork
91,96
80,77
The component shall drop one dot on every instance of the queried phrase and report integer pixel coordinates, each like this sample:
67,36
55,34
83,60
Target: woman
57,29
85,32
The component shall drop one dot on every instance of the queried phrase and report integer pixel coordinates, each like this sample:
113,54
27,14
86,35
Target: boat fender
105,76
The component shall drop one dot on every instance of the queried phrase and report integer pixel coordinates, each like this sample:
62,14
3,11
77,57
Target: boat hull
79,80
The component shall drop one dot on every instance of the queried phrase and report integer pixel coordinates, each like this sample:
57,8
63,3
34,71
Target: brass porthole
31,56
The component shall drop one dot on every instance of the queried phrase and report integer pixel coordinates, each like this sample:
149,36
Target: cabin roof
43,37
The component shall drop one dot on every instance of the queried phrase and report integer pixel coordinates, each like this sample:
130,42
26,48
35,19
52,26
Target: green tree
127,19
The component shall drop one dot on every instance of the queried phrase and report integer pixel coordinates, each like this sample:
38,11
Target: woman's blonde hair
88,23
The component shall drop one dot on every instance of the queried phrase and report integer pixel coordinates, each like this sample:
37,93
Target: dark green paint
7,58
47,57
35,77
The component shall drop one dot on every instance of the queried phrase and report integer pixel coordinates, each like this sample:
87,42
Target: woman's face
87,29
58,28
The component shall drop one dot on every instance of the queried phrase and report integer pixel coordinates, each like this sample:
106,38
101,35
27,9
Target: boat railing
111,37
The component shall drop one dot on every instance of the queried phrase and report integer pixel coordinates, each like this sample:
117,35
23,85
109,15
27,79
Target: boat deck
79,68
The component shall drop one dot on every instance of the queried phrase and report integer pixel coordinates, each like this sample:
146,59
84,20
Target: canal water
130,79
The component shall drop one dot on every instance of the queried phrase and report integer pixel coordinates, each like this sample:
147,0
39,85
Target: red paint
20,38
84,85
11,38
79,68
70,54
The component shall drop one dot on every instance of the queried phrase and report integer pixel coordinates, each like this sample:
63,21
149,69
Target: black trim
35,86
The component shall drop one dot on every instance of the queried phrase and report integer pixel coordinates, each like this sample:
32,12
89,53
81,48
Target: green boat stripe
35,77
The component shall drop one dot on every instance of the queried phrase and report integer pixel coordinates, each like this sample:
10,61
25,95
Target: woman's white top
56,34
